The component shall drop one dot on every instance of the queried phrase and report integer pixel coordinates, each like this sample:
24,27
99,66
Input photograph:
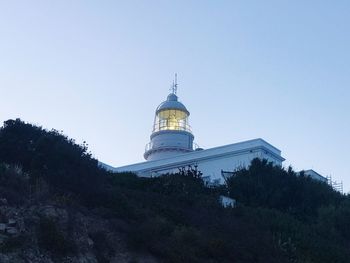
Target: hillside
58,205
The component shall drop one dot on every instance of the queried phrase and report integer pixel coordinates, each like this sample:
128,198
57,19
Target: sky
97,70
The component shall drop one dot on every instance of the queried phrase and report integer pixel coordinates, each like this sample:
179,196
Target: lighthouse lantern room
171,133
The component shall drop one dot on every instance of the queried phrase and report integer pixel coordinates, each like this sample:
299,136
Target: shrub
12,243
266,185
12,182
102,247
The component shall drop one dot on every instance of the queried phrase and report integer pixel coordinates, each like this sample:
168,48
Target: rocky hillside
37,229
57,205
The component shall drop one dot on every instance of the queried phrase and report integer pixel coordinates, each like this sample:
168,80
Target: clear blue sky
279,70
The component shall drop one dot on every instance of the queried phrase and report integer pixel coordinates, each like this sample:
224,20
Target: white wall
210,161
167,144
212,166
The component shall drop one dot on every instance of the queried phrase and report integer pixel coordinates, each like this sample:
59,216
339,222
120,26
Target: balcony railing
149,146
172,127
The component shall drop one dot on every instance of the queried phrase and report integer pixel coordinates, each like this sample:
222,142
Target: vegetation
280,217
52,239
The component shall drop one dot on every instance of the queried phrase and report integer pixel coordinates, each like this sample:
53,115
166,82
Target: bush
12,182
266,185
12,243
281,217
102,247
53,157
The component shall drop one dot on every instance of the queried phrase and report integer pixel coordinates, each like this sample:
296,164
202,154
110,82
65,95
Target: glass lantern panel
171,120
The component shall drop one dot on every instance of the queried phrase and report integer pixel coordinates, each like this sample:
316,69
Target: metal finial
174,87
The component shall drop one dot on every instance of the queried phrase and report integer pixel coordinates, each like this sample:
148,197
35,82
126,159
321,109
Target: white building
314,175
171,147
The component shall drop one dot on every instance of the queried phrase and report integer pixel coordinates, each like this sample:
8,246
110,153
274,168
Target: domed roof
172,104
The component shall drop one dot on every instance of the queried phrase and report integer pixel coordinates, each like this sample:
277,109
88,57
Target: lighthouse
171,148
171,135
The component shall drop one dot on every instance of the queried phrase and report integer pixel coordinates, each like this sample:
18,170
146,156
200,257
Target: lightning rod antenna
173,88
175,85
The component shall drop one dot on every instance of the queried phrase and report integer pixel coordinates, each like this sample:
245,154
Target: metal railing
149,146
172,126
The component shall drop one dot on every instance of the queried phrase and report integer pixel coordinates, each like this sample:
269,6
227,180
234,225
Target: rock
227,201
2,238
20,224
4,258
54,213
11,231
11,222
2,227
3,201
85,258
90,242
